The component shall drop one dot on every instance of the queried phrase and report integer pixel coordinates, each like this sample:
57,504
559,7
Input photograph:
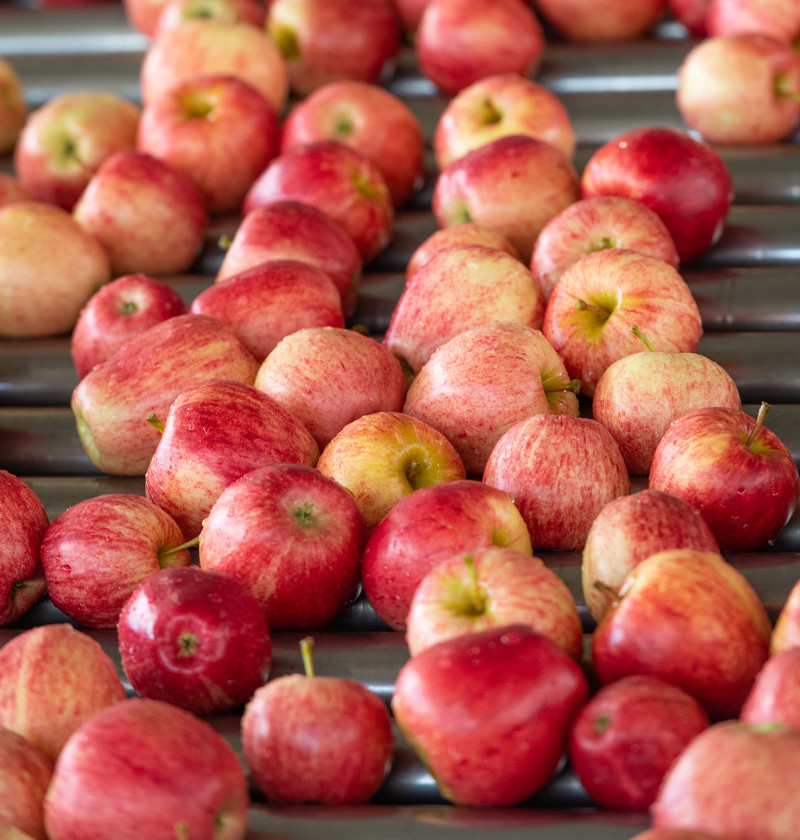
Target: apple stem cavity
166,555
153,420
306,646
477,605
642,337
491,113
763,410
591,307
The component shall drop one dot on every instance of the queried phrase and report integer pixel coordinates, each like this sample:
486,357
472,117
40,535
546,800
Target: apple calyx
153,420
491,114
476,604
199,106
602,244
306,646
783,90
601,724
750,440
128,307
166,555
642,337
344,126
364,186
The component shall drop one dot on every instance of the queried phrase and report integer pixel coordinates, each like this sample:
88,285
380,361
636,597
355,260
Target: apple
195,638
143,15
514,184
371,119
692,14
684,180
628,735
736,471
599,298
691,618
317,739
626,531
52,679
147,751
329,376
601,20
293,537
594,224
775,695
676,834
496,106
492,587
384,456
786,632
334,178
112,402
26,773
490,712
176,12
461,287
297,231
117,311
216,431
410,12
44,289
13,106
560,471
11,190
148,216
778,18
458,42
425,527
484,380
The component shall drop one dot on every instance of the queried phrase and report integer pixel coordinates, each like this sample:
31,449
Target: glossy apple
26,773
176,12
601,20
13,106
778,18
775,695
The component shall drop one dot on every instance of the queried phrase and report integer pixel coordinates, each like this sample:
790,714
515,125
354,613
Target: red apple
176,12
677,834
11,190
692,14
786,632
26,773
13,106
778,18
590,21
775,695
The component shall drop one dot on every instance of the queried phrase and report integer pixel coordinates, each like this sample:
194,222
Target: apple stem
604,313
476,593
607,590
182,547
573,385
642,337
224,241
153,420
754,432
306,645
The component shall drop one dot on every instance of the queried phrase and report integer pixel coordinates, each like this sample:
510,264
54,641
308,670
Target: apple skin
684,180
484,380
149,751
692,14
691,618
593,21
176,12
492,587
630,528
11,190
676,834
745,489
384,456
22,527
111,403
116,312
489,713
13,106
143,15
52,679
777,18
628,735
195,638
775,695
426,526
216,431
786,632
26,773
560,470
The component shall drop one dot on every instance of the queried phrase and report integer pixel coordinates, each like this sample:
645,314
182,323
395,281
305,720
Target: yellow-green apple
13,106
490,712
11,189
294,230
65,140
371,119
216,431
116,312
44,289
775,695
735,470
731,780
639,395
561,471
218,130
482,381
461,287
148,216
692,14
492,587
53,678
741,89
594,224
425,527
195,638
590,21
293,537
628,735
458,42
334,178
514,184
326,40
22,525
597,300
384,456
272,299
786,632
321,739
778,18
691,618
329,376
96,552
176,12
112,402
496,106
146,768
684,180
626,531
26,772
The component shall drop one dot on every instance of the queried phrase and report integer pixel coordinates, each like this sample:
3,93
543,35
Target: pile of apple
542,354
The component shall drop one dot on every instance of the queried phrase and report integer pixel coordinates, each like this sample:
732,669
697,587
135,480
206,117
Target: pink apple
484,380
601,20
293,537
560,471
147,751
116,312
26,773
176,12
677,834
64,142
514,184
786,632
685,181
427,526
11,190
692,14
775,695
13,106
778,18
195,638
